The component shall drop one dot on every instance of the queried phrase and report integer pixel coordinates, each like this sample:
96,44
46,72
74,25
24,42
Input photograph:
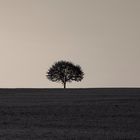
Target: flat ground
72,114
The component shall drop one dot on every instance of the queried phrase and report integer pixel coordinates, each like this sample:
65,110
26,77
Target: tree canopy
64,71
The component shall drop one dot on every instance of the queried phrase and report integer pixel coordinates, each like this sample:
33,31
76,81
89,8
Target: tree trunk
64,85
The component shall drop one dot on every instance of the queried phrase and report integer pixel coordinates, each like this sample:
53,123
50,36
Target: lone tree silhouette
64,71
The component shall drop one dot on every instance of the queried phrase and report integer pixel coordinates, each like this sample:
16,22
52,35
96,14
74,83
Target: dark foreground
82,114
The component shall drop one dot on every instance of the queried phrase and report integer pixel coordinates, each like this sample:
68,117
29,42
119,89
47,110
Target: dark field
72,114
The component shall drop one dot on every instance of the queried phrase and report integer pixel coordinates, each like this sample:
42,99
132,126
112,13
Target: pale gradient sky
103,36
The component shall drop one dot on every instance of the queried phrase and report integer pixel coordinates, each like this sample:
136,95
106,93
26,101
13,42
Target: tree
64,71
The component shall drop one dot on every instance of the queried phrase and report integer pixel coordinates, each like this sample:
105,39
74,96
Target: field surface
71,114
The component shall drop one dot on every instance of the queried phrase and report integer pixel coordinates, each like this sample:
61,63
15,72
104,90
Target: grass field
71,114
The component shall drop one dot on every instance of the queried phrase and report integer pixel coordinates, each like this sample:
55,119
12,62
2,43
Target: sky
102,36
